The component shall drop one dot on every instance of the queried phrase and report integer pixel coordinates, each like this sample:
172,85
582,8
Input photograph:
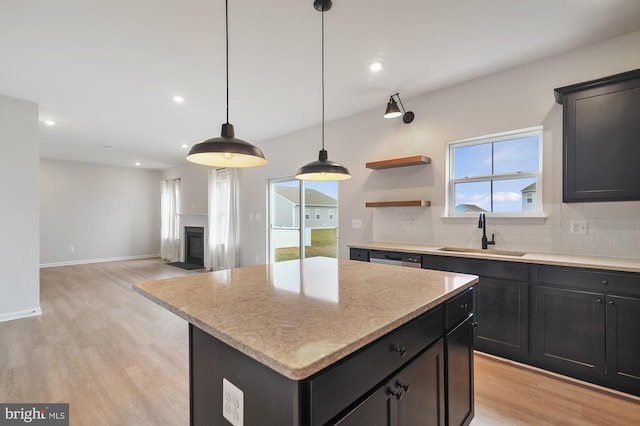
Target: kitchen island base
400,379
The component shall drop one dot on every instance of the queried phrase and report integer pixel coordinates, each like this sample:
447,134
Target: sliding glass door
303,219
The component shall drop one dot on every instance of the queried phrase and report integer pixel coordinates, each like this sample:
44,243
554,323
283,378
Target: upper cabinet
601,139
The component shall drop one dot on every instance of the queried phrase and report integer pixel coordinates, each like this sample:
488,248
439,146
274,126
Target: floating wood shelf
399,162
410,203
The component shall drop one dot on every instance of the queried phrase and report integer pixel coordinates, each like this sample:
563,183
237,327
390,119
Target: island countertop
298,317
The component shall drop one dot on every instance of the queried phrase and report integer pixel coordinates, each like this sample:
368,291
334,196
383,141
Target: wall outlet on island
232,403
578,227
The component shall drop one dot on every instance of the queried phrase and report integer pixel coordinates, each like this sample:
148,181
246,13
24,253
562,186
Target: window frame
451,181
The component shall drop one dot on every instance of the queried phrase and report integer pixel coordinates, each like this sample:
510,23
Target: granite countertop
593,262
298,317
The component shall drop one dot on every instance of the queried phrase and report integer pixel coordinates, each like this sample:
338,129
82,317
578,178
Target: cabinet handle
612,303
465,307
472,323
598,300
397,394
604,282
403,386
401,350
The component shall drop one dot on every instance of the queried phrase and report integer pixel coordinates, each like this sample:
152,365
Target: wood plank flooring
119,359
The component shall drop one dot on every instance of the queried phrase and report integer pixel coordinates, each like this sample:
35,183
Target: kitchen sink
481,251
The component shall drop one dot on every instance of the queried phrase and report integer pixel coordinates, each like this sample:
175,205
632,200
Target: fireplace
194,245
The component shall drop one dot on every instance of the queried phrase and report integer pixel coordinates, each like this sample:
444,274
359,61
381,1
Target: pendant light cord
322,79
226,25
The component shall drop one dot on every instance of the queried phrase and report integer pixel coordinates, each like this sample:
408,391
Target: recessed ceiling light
138,163
375,66
184,145
49,122
178,99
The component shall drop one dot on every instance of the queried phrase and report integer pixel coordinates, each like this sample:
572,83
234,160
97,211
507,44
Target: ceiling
106,71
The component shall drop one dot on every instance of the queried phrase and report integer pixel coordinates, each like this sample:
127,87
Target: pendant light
226,150
323,168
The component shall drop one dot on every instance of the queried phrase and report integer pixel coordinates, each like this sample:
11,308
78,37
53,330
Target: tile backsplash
613,229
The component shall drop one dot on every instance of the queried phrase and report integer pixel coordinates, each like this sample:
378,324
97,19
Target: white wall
104,213
517,98
19,147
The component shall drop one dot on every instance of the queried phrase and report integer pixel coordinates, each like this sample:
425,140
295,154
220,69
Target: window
498,173
292,235
331,214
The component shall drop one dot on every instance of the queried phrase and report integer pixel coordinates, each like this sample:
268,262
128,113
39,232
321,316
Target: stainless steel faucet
482,223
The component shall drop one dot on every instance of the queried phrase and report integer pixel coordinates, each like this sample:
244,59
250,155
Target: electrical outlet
578,227
356,223
232,403
71,249
408,223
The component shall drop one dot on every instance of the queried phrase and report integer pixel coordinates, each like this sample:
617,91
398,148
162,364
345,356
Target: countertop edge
577,261
313,368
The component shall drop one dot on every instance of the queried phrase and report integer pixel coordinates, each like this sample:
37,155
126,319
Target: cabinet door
569,331
415,396
377,410
623,342
420,386
459,356
502,315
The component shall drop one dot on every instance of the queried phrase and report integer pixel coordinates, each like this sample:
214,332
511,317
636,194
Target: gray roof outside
311,196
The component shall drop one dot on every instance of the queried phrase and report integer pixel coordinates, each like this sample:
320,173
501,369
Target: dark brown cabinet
459,349
501,303
569,332
623,340
415,396
600,138
586,325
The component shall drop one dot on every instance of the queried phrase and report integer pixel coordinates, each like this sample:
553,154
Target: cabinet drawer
458,309
587,279
485,268
334,389
359,254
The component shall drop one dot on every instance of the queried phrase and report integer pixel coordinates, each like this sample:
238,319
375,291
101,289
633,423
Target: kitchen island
324,340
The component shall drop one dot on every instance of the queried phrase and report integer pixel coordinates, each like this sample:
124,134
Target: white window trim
495,137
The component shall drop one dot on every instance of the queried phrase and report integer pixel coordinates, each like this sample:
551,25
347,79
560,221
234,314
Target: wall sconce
393,110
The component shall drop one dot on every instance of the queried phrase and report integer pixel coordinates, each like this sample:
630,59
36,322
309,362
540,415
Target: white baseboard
110,259
20,314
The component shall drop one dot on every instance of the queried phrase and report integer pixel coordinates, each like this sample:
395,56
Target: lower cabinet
623,340
569,332
501,305
459,349
586,324
415,396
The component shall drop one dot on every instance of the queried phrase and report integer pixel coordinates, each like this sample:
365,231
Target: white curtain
223,251
170,221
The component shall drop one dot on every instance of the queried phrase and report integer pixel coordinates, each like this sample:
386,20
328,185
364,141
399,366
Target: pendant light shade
392,109
226,150
323,168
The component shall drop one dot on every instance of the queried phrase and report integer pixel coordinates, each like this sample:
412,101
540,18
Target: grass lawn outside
324,242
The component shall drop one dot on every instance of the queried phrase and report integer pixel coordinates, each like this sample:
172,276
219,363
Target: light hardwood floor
119,359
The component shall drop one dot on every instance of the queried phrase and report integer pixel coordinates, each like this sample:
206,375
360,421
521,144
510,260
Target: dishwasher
398,259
